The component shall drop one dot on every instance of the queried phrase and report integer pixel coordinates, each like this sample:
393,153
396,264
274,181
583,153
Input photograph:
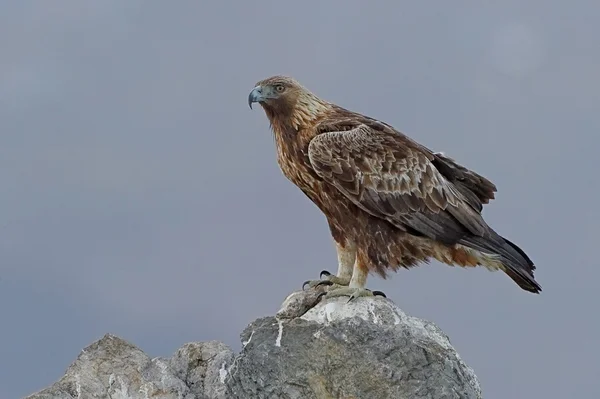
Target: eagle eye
279,88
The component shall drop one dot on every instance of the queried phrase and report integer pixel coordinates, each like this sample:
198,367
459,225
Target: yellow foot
353,293
329,279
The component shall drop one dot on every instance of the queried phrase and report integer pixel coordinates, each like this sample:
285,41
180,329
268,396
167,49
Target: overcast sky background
140,196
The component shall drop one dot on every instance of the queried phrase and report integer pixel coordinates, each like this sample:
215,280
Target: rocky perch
368,348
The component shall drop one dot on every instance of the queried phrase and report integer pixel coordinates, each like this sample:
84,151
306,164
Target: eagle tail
522,274
517,265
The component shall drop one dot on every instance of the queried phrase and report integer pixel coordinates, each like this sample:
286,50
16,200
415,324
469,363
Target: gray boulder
112,368
368,348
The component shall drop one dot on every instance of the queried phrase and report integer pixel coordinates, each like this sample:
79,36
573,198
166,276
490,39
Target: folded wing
392,179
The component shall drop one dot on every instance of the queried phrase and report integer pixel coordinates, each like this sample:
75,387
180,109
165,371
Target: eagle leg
356,287
346,255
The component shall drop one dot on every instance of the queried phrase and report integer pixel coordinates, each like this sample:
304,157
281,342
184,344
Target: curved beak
255,96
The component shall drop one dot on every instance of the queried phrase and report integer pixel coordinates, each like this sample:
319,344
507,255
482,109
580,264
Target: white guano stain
280,333
222,373
244,343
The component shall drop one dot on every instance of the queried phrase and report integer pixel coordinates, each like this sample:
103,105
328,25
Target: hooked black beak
255,96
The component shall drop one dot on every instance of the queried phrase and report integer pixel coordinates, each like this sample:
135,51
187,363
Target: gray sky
140,196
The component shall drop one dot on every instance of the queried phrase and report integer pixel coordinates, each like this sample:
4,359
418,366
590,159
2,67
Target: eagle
389,201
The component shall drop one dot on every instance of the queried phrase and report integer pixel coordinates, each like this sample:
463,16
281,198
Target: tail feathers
522,272
517,265
525,280
521,252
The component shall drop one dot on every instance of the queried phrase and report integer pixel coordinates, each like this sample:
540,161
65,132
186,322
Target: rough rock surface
368,348
115,369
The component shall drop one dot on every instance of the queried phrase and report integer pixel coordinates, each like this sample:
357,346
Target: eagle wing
476,189
391,177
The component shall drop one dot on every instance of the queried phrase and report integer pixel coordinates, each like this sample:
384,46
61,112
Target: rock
112,368
368,348
203,367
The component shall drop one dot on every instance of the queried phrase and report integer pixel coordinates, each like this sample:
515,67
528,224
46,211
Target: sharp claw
354,296
380,293
304,284
324,272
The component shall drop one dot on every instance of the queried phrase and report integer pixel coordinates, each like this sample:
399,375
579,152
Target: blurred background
140,196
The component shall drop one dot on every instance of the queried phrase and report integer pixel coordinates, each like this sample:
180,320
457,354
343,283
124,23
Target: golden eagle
389,201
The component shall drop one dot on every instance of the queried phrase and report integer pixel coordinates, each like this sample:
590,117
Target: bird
389,202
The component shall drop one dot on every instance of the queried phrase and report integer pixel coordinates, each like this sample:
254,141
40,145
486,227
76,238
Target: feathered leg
346,255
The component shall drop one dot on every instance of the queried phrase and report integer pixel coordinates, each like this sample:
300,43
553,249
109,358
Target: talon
324,272
379,293
326,279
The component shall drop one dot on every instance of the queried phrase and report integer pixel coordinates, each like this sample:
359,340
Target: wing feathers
394,180
476,189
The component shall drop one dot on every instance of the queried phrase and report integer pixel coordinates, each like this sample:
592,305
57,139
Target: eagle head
275,91
284,99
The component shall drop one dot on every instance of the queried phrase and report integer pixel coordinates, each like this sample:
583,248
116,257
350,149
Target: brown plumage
389,201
